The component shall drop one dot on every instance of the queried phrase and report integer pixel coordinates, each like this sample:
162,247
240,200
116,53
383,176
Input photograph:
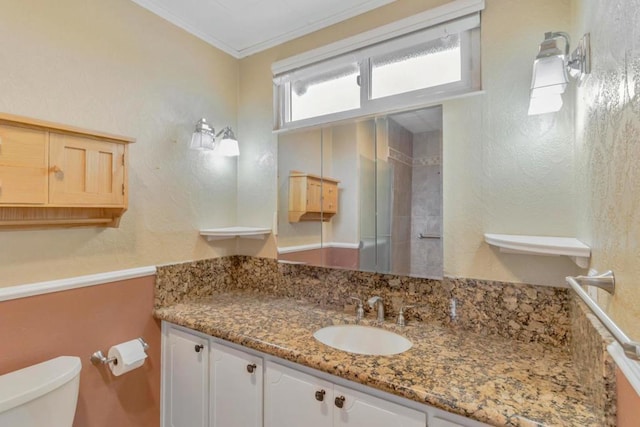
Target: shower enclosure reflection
386,212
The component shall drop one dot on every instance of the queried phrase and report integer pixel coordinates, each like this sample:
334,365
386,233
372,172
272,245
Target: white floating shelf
542,245
233,232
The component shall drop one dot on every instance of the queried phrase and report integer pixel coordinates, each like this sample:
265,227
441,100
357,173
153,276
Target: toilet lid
27,384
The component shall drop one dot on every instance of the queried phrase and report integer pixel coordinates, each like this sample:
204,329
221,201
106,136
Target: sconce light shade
228,145
545,104
203,136
551,71
549,77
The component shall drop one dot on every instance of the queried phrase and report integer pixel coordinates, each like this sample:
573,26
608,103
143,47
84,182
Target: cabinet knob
340,401
320,395
56,170
198,347
251,368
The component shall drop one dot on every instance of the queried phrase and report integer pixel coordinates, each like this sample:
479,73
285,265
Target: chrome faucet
372,302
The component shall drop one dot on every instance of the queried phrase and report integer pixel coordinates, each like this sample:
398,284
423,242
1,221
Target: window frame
468,28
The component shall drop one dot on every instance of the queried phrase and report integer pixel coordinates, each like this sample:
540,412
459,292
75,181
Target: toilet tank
45,394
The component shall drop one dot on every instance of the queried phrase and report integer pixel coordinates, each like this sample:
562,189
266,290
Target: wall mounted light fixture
552,69
204,138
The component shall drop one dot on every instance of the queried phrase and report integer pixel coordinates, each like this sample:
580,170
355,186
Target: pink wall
628,402
326,257
77,323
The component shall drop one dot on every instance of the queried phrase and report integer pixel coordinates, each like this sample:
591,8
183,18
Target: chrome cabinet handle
251,368
198,347
340,401
320,395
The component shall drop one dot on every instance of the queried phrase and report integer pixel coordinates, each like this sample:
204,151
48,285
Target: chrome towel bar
605,281
428,236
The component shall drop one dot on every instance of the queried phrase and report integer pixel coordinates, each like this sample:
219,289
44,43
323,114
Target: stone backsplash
593,363
523,312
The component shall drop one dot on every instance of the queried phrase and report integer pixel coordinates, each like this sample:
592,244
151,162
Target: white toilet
45,394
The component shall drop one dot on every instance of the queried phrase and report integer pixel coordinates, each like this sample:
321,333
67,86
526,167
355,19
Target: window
317,95
413,69
424,66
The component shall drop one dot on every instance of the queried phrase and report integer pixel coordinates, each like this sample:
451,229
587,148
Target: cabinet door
236,388
294,399
360,409
23,165
314,195
329,197
186,380
86,171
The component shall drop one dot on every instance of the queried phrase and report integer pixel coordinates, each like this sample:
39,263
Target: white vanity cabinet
205,383
293,398
185,378
235,387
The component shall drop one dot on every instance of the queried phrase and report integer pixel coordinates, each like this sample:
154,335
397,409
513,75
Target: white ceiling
244,27
425,120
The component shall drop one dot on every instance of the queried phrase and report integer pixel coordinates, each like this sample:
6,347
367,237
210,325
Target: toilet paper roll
129,356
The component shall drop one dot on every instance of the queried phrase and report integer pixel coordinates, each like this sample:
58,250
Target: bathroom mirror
364,195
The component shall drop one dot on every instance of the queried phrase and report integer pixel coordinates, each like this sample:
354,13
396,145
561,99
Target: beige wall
608,151
503,171
115,67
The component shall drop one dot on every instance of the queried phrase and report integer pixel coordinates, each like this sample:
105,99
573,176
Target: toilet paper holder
98,358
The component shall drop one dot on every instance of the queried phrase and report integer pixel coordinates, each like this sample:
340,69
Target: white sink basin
363,340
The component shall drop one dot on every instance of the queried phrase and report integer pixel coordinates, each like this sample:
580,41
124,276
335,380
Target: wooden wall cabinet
312,197
54,175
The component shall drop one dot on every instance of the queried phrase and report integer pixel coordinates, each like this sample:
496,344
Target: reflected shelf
223,233
542,245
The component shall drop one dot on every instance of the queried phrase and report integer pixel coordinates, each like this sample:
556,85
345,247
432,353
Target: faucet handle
359,309
401,320
371,301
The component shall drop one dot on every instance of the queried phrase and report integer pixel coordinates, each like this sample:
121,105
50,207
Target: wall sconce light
204,138
552,69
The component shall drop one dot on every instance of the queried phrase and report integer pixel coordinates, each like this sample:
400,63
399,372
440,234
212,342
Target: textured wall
608,150
115,67
503,171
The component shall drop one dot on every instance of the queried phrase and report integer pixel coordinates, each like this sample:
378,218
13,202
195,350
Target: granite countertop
490,379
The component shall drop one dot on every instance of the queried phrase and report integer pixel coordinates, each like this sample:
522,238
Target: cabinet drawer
23,147
22,185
